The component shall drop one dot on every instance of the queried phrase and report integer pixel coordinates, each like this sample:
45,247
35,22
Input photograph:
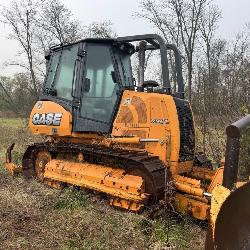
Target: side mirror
86,85
114,78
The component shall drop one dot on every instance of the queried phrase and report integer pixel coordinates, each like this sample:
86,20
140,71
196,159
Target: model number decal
48,119
159,121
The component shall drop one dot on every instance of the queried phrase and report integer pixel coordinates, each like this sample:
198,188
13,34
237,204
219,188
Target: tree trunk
190,69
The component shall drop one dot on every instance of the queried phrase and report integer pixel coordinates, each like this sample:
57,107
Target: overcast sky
235,14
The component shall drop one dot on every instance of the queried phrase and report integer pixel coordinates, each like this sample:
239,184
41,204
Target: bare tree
16,94
57,22
21,17
101,29
179,22
209,22
7,102
189,15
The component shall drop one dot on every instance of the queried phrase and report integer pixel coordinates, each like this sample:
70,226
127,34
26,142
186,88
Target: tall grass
33,216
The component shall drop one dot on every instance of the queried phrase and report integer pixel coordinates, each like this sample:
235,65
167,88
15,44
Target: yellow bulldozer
127,139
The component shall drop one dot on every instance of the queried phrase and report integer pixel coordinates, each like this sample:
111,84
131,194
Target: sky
235,14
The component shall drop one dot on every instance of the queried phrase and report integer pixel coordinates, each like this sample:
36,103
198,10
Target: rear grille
187,133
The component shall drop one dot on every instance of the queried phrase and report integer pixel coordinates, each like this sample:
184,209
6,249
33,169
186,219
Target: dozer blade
232,225
10,166
127,191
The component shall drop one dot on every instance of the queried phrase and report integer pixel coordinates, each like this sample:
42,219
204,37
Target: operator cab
88,77
95,69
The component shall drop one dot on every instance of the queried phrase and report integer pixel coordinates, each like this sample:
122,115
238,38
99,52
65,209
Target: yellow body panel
152,116
202,173
47,107
219,195
217,179
128,188
190,205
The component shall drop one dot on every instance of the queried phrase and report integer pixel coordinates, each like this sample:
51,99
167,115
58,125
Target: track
151,167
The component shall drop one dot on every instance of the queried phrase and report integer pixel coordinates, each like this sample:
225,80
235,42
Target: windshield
61,72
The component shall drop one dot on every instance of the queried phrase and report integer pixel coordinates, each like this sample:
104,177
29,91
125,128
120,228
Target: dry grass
33,216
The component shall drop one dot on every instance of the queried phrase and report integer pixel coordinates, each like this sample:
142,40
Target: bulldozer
125,138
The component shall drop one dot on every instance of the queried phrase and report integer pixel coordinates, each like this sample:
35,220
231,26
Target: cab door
99,91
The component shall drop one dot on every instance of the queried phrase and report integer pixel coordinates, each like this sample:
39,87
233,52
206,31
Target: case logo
49,119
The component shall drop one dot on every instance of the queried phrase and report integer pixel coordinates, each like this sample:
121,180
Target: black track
152,166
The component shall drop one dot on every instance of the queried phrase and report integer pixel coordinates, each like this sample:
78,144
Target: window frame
59,99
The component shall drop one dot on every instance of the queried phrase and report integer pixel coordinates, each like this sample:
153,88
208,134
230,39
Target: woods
216,70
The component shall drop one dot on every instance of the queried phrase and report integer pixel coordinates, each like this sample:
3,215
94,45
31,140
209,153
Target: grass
33,216
14,122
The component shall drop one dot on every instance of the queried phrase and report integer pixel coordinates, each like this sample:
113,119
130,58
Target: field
33,216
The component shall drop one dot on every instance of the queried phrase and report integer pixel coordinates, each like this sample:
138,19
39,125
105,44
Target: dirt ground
33,216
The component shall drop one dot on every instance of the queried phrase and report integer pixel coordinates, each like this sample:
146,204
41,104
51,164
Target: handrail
157,42
160,42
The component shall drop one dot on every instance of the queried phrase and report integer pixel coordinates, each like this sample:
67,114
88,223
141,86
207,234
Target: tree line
216,70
